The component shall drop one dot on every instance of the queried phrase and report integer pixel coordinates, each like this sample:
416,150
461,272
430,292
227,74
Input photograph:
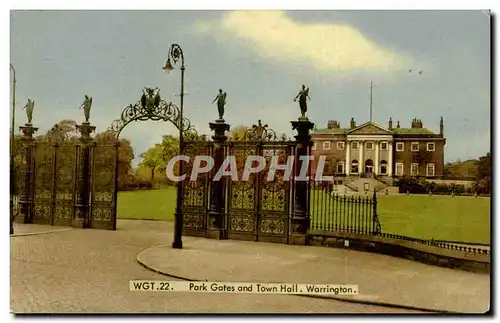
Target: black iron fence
459,246
331,211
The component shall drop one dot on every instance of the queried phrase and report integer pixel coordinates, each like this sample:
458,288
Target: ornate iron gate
103,181
196,190
242,196
67,183
41,184
259,208
64,184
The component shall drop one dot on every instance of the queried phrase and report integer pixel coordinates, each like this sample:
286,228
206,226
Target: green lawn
147,204
420,216
460,218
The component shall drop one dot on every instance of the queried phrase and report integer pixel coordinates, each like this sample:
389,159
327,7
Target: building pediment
369,128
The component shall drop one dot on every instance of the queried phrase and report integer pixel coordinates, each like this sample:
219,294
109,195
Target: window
414,146
340,167
314,146
354,145
327,169
431,146
400,146
383,167
369,146
414,169
326,145
383,145
399,169
430,169
354,166
340,145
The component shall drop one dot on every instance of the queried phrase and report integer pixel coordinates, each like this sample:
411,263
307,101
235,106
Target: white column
389,163
361,161
375,171
347,164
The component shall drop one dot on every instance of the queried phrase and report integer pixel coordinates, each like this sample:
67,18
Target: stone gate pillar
300,220
82,216
26,180
217,212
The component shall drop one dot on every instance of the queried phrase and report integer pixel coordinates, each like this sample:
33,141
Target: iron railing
331,211
459,246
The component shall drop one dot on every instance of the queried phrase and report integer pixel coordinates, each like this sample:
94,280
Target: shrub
132,182
422,186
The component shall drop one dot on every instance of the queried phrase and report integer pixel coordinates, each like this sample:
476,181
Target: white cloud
327,46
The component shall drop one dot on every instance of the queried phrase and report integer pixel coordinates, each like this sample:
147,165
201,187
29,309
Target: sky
261,59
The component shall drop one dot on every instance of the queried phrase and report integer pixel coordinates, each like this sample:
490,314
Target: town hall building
370,150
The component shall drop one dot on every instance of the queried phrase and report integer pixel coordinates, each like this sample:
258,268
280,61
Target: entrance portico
369,145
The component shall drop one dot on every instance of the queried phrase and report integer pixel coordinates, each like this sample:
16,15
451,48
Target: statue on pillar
30,106
221,102
86,105
303,96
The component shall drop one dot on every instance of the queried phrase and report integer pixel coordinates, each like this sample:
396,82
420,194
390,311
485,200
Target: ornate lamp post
12,143
174,54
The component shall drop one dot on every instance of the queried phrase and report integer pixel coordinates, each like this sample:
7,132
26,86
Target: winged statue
221,102
303,96
86,105
30,106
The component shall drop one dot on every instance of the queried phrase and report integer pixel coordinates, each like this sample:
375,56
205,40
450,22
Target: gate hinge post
300,221
216,215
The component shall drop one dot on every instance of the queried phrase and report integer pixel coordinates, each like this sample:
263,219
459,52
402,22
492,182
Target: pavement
35,229
88,271
381,279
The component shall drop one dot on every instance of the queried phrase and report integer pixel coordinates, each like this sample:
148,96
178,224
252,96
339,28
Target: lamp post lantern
12,143
174,54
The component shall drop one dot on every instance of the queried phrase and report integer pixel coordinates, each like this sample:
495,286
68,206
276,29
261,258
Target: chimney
441,126
390,123
332,124
397,126
353,123
416,123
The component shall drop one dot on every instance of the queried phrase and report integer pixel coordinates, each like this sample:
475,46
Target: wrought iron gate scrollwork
64,183
22,176
195,190
152,107
103,196
259,209
242,195
275,194
43,180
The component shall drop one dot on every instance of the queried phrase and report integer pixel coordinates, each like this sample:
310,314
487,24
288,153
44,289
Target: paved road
380,278
87,271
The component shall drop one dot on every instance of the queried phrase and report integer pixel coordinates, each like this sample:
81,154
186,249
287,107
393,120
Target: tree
125,152
483,178
63,130
156,158
466,168
151,159
169,148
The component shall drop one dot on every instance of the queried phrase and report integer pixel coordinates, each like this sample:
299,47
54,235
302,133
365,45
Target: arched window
383,167
354,166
